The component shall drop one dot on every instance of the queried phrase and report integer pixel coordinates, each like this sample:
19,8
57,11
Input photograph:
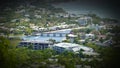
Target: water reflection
58,38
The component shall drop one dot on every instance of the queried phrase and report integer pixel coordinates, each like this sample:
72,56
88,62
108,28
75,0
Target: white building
35,27
96,27
82,41
84,20
61,47
72,37
89,36
42,29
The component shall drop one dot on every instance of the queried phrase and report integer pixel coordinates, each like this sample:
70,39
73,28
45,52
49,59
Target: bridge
52,34
56,33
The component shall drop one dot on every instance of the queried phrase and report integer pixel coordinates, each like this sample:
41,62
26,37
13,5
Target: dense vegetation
12,57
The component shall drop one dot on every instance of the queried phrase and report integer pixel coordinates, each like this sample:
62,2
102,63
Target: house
54,28
89,36
42,29
82,41
38,16
96,27
82,35
36,45
35,28
64,26
72,36
84,20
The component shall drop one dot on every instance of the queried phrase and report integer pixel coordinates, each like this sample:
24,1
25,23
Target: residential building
36,45
72,36
84,20
89,36
96,27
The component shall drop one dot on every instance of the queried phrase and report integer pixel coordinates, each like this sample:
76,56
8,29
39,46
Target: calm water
45,38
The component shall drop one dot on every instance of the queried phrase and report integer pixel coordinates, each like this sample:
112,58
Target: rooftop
74,47
66,45
72,35
36,41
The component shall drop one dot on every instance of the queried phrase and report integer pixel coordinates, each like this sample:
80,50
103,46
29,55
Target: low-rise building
89,36
96,27
36,45
62,47
82,41
84,20
72,37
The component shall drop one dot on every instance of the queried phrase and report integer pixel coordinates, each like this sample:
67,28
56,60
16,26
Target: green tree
52,40
28,31
67,40
6,57
110,55
30,46
75,31
47,53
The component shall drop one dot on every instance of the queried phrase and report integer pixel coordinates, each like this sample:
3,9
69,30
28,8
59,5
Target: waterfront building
36,45
62,47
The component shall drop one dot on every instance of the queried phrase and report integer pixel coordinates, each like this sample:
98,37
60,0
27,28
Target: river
45,37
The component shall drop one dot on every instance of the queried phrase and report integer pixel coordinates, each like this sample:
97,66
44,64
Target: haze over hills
104,8
101,8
